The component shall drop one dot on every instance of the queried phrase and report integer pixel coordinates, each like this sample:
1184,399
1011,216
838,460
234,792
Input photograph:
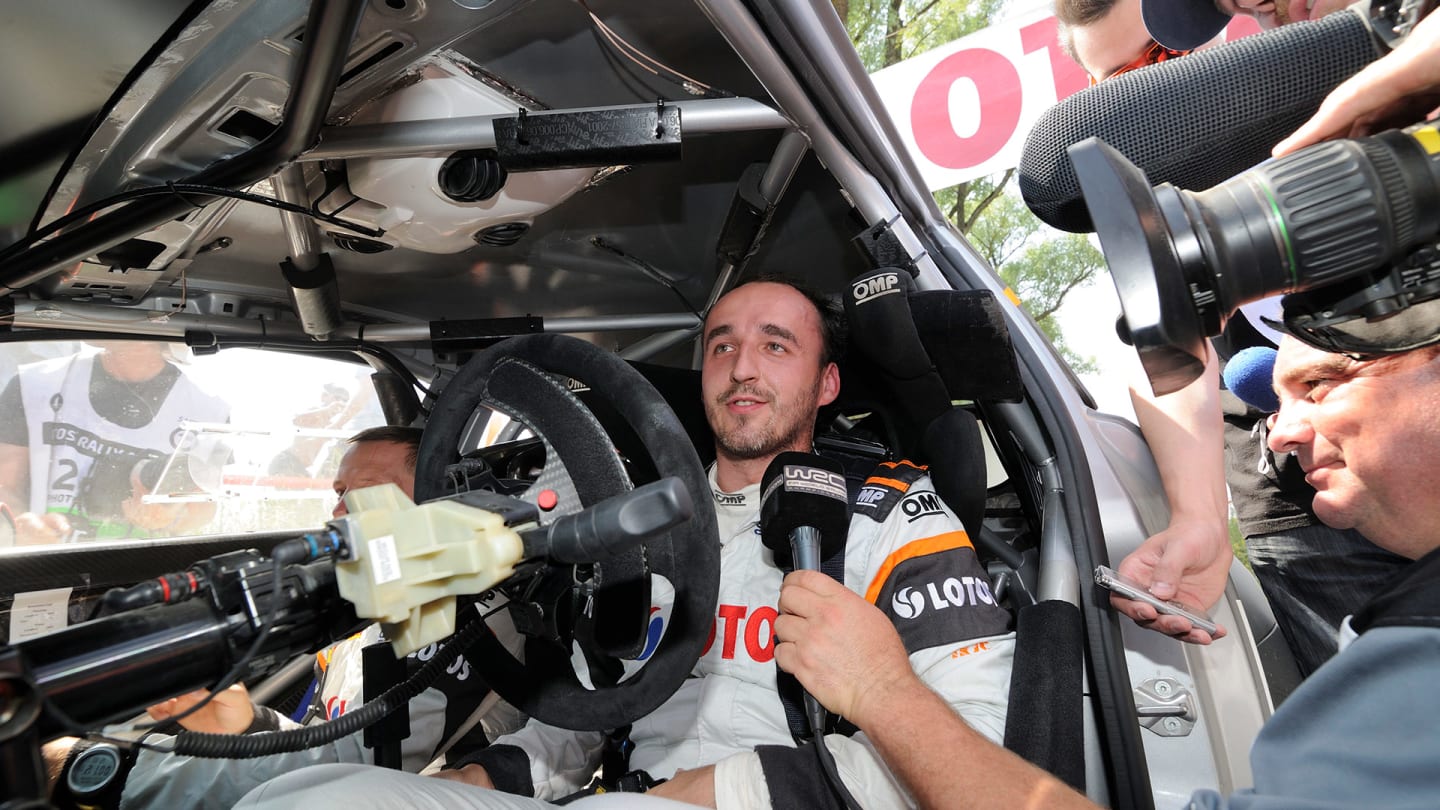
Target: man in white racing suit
722,739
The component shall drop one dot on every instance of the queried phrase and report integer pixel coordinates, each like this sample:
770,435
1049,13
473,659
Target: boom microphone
1196,121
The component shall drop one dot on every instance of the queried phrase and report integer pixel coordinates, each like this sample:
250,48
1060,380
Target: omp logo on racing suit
886,486
755,627
936,593
727,499
868,289
870,496
919,505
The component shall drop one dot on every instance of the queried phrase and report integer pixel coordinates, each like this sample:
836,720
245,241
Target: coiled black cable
249,746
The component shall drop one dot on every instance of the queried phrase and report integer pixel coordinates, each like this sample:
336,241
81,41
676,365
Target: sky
1087,319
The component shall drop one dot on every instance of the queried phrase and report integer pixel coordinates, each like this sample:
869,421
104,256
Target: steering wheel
515,376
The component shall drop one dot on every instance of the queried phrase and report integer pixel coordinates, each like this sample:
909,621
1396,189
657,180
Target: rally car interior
525,207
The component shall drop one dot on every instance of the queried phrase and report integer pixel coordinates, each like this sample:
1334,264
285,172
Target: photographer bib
82,462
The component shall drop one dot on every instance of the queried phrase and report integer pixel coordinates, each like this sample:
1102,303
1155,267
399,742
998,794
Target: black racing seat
921,353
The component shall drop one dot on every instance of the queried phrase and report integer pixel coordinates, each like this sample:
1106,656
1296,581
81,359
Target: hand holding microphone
843,650
804,518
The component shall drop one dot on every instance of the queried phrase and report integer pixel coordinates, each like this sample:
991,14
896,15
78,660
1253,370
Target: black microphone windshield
1196,121
803,489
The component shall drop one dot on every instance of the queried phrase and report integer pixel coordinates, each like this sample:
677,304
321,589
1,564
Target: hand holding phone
1108,578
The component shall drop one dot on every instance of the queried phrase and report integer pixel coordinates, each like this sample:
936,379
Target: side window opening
127,440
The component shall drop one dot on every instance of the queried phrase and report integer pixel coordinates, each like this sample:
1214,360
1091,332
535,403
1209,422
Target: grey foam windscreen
1199,120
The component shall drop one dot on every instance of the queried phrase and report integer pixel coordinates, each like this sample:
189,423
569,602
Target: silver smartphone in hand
1109,578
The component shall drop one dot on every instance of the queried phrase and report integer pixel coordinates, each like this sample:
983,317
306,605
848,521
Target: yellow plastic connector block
409,562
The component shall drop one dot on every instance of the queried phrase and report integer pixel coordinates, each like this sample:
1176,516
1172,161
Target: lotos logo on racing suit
908,602
936,593
868,289
459,668
755,627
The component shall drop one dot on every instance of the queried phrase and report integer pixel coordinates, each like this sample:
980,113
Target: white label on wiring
35,613
384,561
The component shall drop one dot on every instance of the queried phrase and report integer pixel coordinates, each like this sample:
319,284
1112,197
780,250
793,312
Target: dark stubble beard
785,428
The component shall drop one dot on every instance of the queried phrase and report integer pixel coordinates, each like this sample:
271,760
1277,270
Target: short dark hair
1072,14
408,436
832,315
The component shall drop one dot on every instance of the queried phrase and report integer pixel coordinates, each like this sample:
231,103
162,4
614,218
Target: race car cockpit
512,216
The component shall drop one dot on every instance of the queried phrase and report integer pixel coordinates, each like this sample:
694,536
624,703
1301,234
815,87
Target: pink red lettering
731,615
998,85
1241,25
1069,77
761,646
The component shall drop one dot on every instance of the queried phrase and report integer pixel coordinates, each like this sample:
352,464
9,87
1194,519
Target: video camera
1348,230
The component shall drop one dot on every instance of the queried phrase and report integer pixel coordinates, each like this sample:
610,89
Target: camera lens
1341,227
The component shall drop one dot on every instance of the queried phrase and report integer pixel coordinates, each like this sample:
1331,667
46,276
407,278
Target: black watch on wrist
93,777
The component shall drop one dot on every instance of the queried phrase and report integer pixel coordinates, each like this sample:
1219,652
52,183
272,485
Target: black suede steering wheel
511,376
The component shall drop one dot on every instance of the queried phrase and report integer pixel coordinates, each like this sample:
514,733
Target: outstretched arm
1190,560
1396,90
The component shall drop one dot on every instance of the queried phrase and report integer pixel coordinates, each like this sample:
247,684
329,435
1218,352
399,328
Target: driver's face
762,378
369,464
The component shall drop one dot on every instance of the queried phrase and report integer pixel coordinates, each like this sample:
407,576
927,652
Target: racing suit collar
734,511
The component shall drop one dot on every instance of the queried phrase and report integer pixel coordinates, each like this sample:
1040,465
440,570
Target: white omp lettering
874,287
909,602
870,495
920,504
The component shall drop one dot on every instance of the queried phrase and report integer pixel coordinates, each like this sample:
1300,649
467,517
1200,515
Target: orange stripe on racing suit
911,550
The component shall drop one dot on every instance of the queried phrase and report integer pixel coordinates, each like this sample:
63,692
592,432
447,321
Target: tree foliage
1040,264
